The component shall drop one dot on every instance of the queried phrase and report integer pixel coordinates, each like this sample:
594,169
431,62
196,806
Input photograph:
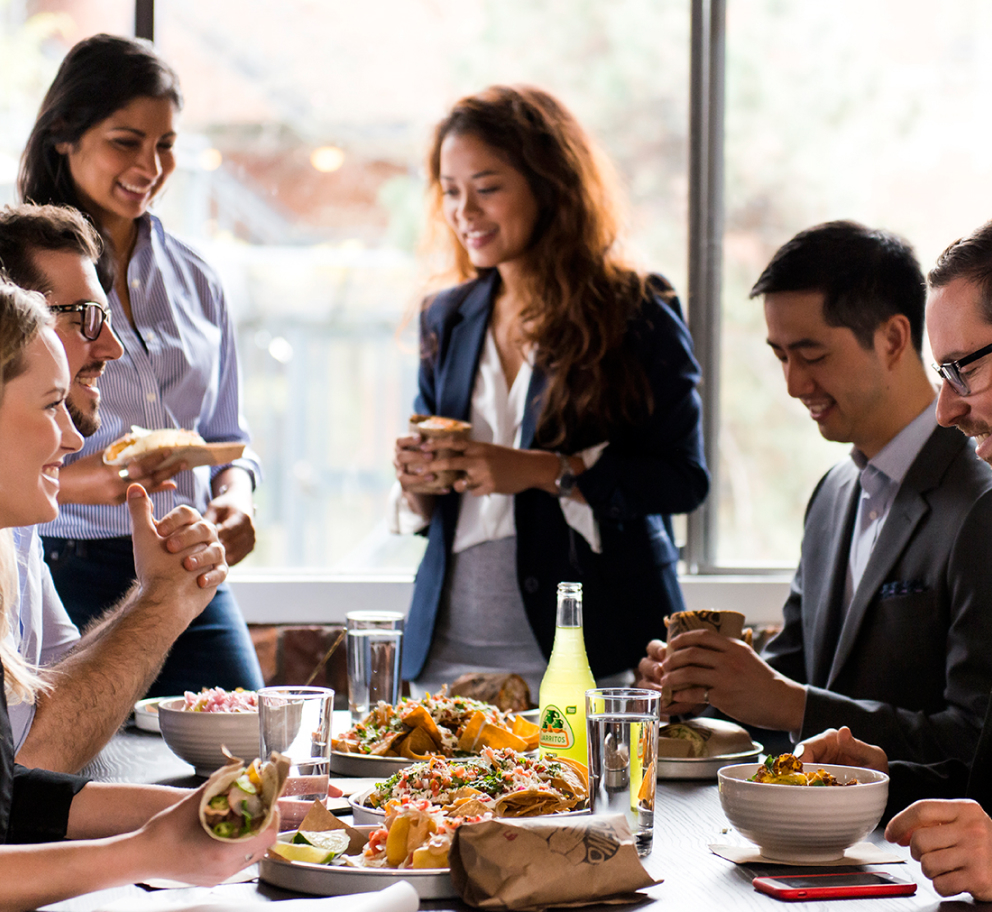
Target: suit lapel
907,512
830,597
468,331
535,391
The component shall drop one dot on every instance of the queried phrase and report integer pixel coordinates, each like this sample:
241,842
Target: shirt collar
895,458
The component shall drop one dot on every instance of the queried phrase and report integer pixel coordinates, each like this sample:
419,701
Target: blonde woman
62,834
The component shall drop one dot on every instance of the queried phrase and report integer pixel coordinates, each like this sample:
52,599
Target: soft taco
239,800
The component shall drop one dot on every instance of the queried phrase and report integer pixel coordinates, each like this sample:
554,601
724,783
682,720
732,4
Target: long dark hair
99,76
581,295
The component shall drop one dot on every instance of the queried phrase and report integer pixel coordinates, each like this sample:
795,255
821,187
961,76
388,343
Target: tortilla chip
493,736
470,733
575,775
417,717
388,746
529,731
467,807
418,745
529,803
273,774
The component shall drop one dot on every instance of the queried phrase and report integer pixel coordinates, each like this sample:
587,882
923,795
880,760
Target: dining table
688,820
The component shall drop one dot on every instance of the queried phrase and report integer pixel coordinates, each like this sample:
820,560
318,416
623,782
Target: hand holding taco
239,800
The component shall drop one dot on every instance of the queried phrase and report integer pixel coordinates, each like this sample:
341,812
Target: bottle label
555,730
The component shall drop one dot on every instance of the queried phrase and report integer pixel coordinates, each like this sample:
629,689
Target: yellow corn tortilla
273,774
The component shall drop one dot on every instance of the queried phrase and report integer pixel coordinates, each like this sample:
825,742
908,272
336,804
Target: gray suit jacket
910,666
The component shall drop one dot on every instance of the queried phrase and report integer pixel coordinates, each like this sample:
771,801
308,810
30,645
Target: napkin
861,853
399,897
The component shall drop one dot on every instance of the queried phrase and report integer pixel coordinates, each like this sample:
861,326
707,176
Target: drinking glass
622,727
375,643
296,721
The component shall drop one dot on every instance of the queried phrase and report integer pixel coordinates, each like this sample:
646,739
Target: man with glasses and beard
887,628
94,679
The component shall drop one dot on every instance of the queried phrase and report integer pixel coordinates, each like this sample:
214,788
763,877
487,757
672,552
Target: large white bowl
803,824
197,737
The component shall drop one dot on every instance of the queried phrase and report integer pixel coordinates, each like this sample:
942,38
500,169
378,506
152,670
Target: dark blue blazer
647,472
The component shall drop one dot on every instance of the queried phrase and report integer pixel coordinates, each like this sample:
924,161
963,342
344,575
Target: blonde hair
23,314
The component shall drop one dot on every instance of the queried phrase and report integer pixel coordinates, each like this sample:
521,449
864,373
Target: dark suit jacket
912,666
647,472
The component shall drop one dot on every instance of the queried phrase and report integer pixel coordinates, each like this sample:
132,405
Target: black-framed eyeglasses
93,316
951,370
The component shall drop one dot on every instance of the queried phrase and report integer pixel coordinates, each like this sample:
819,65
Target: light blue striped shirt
179,369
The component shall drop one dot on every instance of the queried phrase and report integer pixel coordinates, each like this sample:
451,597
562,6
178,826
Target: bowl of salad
198,725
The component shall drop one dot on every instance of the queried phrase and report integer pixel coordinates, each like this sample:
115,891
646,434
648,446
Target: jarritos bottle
563,689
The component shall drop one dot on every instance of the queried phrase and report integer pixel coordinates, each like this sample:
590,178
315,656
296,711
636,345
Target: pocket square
903,587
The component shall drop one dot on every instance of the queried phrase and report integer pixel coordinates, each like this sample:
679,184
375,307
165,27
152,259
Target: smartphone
833,886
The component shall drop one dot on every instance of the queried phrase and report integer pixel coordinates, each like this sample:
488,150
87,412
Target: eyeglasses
93,317
951,370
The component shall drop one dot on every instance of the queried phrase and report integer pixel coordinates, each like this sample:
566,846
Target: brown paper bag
729,623
431,426
534,864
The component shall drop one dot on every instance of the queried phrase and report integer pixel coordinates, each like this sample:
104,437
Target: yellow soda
563,688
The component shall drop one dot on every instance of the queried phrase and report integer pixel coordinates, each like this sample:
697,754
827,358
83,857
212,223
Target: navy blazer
647,472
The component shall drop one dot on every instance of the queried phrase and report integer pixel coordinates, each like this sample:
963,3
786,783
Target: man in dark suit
886,628
951,837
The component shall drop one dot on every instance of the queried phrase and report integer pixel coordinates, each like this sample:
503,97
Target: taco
239,801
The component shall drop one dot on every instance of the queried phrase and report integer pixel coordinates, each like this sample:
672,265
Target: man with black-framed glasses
95,677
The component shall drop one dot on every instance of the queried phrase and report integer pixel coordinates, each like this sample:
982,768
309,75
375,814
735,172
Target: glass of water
622,727
375,641
296,722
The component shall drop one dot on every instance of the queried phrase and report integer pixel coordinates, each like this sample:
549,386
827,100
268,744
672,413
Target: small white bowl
197,737
803,824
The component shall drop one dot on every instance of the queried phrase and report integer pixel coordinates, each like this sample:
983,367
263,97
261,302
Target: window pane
869,111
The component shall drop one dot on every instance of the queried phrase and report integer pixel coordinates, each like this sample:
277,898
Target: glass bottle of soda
562,697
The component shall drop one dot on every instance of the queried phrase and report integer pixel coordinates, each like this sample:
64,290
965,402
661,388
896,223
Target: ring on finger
706,695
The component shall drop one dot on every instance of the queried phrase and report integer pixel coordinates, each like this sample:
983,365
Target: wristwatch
565,482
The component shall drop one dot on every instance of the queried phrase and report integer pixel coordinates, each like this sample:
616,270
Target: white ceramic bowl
197,737
803,824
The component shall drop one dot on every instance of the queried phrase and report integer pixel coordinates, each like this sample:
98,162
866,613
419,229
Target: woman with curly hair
577,375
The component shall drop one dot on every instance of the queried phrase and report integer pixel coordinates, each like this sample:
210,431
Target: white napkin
399,897
861,853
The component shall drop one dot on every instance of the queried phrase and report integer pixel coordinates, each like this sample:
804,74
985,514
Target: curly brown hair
581,294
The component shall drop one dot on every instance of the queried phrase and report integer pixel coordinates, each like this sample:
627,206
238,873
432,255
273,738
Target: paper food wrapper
185,446
702,738
534,864
435,427
729,623
273,774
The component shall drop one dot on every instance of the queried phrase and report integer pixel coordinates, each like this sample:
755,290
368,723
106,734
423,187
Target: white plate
704,767
146,713
335,880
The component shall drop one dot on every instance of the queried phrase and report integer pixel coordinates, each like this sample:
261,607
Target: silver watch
565,482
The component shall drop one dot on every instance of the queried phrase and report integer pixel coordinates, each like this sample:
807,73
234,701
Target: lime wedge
309,853
335,841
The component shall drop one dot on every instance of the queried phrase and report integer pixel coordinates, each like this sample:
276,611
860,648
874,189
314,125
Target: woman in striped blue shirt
103,142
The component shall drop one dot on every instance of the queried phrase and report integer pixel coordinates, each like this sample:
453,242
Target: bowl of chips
499,781
392,737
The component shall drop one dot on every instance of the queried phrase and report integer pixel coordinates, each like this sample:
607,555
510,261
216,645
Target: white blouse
497,415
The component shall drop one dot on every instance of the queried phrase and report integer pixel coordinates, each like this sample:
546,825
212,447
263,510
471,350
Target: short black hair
27,228
968,258
866,276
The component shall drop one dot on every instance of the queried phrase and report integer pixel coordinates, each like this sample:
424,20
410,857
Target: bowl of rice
198,725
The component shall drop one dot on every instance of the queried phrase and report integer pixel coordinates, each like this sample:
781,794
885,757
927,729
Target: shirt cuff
579,516
401,518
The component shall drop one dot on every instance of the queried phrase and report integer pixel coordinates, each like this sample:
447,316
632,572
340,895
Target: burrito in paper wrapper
239,801
702,738
729,623
434,426
536,864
